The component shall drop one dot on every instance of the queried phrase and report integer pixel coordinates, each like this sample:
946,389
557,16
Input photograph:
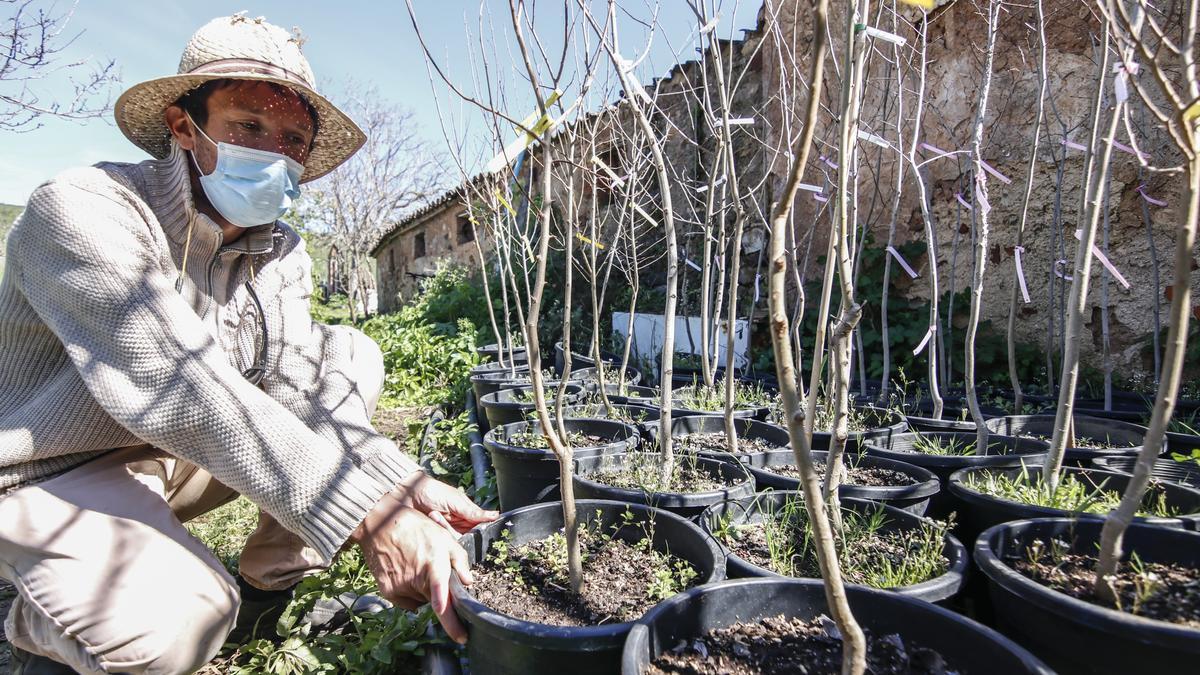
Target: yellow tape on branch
538,125
589,241
504,201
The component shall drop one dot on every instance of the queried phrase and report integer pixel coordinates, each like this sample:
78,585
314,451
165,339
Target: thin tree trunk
1013,377
1078,302
983,208
1112,535
853,639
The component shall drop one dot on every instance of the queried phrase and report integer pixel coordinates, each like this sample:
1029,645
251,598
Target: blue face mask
250,187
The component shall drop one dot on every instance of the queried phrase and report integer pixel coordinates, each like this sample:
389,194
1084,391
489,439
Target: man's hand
412,558
445,505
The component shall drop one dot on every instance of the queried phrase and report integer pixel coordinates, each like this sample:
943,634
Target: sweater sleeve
317,373
86,262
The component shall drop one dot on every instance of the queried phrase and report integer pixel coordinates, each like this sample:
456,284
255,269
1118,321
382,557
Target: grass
1073,494
868,554
225,529
712,399
943,446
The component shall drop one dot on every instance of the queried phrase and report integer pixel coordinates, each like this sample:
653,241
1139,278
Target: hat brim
139,114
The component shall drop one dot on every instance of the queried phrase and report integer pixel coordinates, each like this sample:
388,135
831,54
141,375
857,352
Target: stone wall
956,37
771,64
399,270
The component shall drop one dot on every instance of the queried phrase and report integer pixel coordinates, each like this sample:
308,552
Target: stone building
772,61
439,232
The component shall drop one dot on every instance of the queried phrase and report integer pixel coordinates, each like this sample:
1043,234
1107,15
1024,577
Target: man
157,359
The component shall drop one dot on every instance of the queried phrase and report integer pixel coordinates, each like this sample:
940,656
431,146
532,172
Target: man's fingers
461,565
439,597
437,517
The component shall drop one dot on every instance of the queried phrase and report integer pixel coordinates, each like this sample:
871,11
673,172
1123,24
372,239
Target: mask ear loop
187,247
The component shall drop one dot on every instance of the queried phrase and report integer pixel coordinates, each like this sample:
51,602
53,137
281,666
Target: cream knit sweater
99,350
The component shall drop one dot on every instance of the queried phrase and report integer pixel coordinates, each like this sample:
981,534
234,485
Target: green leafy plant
372,644
1074,493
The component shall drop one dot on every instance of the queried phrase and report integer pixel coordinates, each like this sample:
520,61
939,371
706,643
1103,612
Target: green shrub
424,366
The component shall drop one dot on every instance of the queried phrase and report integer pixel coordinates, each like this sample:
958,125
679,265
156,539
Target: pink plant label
1059,266
903,263
935,150
925,340
829,162
1073,145
1017,251
1128,150
992,170
1104,261
820,197
1149,200
966,205
981,199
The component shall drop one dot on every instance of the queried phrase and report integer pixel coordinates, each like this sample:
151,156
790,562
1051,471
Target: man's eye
248,126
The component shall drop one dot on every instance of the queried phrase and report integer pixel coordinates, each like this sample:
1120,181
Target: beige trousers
110,581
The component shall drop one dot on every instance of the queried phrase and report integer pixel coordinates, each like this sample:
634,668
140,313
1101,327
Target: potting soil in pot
1159,591
620,580
642,472
782,542
779,646
717,442
855,475
535,439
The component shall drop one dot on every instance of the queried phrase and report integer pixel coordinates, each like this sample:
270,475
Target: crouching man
157,359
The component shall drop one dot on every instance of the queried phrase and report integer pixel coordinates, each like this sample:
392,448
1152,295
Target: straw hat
245,49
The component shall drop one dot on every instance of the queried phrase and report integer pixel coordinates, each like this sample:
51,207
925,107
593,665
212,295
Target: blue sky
371,42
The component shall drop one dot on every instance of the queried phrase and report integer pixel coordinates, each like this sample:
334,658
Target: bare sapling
735,255
608,40
1175,103
930,341
886,285
1093,204
983,210
854,648
1018,248
841,235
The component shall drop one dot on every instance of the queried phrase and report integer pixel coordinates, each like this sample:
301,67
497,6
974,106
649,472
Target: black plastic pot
491,353
689,425
645,420
580,360
754,509
650,397
527,476
966,645
489,382
1003,451
1075,636
883,424
912,498
979,511
1184,473
955,414
687,505
502,645
1125,438
506,405
636,395
1183,444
